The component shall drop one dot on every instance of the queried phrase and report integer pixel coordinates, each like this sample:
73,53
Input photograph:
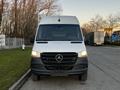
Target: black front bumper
38,68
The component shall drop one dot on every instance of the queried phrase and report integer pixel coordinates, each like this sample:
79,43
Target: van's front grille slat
50,62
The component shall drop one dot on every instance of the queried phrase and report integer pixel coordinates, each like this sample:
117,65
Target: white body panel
63,20
59,46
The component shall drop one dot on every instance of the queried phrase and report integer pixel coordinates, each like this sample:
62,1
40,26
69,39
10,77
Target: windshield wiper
43,40
76,41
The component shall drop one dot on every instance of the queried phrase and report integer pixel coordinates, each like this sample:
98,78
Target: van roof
59,20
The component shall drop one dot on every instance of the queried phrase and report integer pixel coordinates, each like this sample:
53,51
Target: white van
59,48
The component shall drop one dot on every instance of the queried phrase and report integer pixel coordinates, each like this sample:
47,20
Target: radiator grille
50,62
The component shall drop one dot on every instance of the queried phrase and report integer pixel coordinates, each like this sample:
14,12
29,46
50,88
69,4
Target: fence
12,43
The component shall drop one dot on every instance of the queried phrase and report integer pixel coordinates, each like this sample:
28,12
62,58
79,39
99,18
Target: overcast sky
86,9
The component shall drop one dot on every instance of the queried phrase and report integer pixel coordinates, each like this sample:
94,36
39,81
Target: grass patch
13,64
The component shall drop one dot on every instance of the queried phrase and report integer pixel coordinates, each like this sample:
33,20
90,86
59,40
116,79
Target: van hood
59,46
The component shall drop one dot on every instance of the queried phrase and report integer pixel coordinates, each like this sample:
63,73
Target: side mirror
83,37
32,40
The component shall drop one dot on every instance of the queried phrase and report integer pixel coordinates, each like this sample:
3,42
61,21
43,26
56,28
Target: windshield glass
59,32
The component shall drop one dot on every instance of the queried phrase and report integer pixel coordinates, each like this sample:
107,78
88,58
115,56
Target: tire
83,77
35,77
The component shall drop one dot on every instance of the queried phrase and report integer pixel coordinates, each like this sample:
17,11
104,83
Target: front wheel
35,77
83,77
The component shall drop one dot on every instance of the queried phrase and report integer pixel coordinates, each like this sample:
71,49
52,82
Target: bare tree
23,16
49,7
97,22
1,10
94,24
112,21
87,27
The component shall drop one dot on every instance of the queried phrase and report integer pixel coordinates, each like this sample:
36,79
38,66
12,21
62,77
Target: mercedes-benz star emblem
59,58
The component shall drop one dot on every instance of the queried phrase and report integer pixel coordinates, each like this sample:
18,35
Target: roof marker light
59,20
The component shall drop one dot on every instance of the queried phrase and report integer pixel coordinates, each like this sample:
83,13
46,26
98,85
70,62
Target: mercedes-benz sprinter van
59,48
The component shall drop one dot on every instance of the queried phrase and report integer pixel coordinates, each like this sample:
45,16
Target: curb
17,85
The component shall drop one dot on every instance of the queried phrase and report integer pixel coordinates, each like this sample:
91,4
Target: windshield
59,32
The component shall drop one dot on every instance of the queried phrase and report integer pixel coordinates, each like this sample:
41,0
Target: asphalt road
103,73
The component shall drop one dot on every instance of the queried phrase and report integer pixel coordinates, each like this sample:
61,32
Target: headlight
35,54
82,54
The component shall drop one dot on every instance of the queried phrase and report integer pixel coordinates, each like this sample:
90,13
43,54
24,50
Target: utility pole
23,36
